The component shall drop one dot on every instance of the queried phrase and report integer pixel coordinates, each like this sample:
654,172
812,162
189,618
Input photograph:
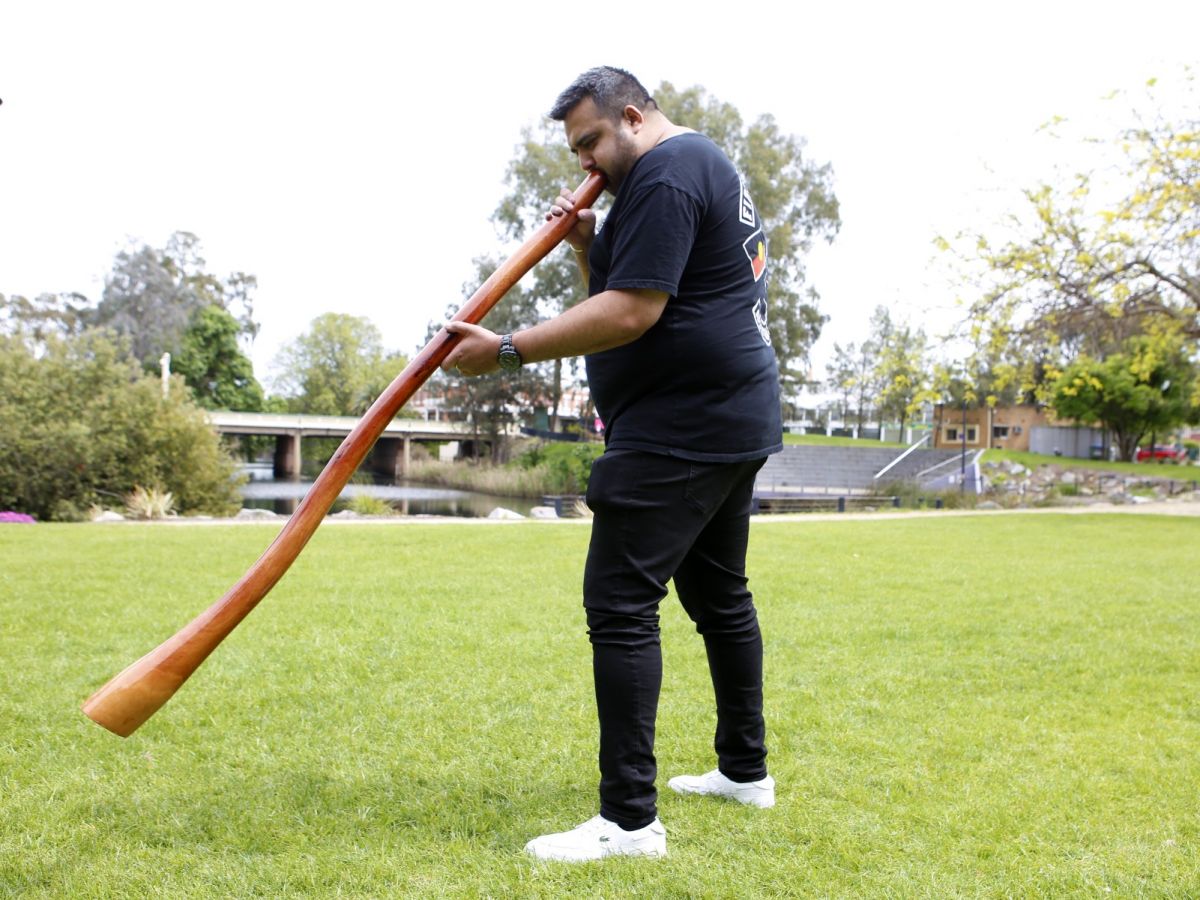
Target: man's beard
623,161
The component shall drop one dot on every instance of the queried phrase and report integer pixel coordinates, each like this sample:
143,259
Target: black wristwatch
508,357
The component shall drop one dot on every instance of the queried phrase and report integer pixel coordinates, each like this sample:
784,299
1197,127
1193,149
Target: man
681,369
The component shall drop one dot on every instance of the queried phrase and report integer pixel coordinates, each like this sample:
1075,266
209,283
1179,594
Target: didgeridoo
135,694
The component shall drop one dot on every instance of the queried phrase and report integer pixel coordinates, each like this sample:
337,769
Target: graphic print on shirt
746,205
755,248
760,320
756,251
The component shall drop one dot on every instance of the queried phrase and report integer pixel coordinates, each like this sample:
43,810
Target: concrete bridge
390,456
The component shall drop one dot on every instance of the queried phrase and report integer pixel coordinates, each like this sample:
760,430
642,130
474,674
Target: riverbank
537,471
1186,505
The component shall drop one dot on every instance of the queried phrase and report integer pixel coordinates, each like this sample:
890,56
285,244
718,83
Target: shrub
149,503
369,505
82,419
551,468
567,466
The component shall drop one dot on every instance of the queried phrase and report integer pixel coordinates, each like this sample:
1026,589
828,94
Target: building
1002,428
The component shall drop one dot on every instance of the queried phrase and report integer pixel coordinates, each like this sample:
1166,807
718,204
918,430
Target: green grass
822,440
958,707
1145,469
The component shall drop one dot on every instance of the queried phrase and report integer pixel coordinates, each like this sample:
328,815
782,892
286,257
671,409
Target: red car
1160,454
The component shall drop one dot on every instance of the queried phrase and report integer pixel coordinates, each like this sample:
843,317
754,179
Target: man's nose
587,161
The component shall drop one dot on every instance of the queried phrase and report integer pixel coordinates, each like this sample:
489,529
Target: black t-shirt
702,383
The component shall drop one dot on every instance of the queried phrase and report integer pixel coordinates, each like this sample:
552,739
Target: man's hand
477,351
579,237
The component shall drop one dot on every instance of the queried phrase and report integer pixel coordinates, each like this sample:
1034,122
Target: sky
350,155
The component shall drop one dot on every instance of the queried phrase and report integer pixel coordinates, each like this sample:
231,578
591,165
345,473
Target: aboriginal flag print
756,251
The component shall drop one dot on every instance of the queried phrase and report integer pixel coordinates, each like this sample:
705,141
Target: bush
149,503
368,505
82,419
567,466
913,496
550,468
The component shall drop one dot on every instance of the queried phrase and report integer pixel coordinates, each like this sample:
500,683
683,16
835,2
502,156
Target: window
1000,432
954,434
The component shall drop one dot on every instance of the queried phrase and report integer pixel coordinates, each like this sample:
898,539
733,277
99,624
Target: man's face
602,144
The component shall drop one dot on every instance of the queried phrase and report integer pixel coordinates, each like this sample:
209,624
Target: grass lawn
1145,469
822,440
958,707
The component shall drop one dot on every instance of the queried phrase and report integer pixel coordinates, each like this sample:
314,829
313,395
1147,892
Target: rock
501,513
543,512
345,514
255,514
1068,478
108,516
987,504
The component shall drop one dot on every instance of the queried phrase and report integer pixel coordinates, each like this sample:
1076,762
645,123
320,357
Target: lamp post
165,365
962,478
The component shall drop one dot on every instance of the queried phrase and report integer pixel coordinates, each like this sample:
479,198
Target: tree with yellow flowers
1084,274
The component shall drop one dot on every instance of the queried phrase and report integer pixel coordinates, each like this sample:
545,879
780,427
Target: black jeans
657,518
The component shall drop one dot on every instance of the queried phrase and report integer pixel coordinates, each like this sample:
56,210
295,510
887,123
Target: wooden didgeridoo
134,695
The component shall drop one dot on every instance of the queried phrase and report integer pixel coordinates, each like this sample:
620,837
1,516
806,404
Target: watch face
508,357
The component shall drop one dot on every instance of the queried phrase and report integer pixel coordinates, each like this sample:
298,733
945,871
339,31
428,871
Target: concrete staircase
818,470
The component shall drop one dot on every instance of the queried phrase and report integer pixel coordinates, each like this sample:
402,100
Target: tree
337,368
900,370
47,315
794,197
81,423
213,365
795,201
541,168
152,294
989,376
1151,386
491,400
852,374
1097,263
841,371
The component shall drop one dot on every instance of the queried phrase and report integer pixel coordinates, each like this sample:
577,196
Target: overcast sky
349,154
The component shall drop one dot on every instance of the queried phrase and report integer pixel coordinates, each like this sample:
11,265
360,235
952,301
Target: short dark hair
610,88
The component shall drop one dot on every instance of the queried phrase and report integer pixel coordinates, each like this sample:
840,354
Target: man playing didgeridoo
682,372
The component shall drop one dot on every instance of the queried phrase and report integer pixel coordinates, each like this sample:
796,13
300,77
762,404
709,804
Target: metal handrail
902,455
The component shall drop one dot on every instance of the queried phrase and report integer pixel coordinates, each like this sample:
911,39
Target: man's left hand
477,351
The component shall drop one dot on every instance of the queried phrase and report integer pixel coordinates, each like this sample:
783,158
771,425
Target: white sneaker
597,838
714,784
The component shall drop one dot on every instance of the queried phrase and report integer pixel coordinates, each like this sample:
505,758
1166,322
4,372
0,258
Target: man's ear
633,116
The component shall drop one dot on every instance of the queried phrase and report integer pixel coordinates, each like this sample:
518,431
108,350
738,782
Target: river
264,491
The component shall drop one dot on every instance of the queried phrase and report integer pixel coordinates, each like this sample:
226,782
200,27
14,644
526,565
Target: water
264,491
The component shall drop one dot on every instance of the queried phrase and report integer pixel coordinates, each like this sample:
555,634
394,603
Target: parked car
1160,453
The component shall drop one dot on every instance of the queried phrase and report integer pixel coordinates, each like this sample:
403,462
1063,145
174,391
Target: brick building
1005,427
